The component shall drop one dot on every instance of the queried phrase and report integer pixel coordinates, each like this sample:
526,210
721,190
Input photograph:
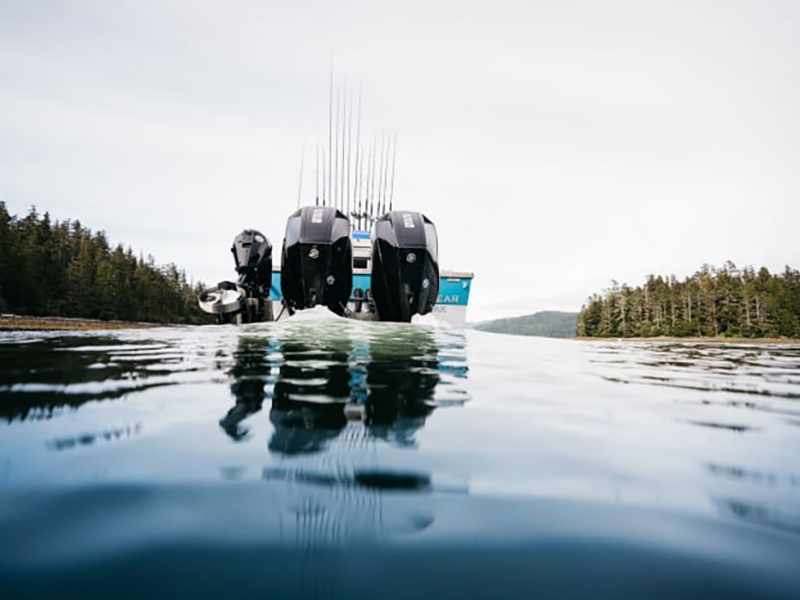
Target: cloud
556,147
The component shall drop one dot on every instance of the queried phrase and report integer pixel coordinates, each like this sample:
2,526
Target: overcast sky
556,145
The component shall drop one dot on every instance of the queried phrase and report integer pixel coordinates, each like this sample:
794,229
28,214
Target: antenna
302,162
316,175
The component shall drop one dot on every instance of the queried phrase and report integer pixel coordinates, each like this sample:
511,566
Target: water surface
325,458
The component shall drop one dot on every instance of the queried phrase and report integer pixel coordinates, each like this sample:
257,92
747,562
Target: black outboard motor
247,300
317,259
405,268
252,252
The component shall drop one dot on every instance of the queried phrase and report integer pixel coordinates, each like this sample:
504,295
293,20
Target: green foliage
544,324
726,302
65,270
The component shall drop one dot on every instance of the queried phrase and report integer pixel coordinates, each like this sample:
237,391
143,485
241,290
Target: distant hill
548,323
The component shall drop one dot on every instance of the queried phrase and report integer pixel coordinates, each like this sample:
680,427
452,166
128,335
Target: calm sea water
323,458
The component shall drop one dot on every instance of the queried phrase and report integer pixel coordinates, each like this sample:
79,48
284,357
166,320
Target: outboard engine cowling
252,253
247,300
317,259
405,267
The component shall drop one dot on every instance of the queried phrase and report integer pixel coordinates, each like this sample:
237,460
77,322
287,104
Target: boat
388,274
350,251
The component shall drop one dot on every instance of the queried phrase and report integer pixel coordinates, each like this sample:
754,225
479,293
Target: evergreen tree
729,302
63,269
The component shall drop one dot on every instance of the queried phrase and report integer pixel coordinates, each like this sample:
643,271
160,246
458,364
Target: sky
557,145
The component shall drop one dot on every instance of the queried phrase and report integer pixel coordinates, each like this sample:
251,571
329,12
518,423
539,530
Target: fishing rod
368,192
341,165
367,186
330,131
324,189
349,152
362,203
386,174
356,191
380,175
302,162
336,156
394,157
371,210
362,187
365,193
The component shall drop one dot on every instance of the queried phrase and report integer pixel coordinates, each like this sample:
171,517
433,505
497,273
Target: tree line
724,302
62,269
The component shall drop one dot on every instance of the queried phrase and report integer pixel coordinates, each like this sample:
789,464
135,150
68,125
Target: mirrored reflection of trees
741,496
43,377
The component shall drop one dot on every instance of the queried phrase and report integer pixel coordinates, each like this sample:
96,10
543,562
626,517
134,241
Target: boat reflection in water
311,394
342,407
385,384
385,381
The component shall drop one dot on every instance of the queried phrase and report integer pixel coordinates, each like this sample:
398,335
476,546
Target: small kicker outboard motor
317,259
247,300
252,252
405,268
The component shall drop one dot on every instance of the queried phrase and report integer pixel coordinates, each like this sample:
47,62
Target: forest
62,269
714,302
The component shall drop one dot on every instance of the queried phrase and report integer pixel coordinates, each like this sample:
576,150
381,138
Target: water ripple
316,436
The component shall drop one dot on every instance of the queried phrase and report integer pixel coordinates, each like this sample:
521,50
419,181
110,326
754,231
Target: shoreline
693,340
9,322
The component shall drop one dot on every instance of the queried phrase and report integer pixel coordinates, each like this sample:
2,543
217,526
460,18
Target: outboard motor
317,259
405,268
252,253
247,300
